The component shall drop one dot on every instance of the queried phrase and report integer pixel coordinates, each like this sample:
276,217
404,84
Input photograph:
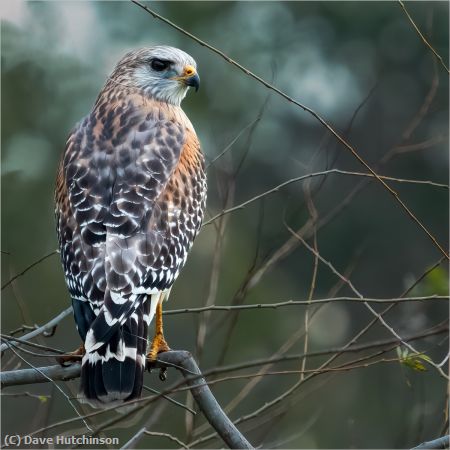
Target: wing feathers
129,204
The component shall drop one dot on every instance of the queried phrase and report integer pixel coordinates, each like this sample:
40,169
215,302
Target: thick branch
181,360
204,398
56,372
439,443
31,376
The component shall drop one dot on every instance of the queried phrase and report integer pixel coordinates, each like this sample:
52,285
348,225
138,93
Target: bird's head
161,72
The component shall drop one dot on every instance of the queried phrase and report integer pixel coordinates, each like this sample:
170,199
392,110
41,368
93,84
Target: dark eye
159,65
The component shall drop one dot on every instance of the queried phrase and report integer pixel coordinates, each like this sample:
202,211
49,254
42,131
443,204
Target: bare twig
41,397
152,420
369,307
54,252
349,347
318,174
215,275
424,40
170,400
303,303
233,141
166,435
42,329
314,215
48,378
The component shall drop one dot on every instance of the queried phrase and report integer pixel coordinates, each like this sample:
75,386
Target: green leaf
414,361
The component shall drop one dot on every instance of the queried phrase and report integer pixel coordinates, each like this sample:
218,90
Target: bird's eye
159,65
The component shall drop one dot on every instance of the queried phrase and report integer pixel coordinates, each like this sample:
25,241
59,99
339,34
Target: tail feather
114,372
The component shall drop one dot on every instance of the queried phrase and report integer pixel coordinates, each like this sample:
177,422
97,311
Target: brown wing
133,188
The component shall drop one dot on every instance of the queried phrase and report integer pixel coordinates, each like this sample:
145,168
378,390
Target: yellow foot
72,356
159,345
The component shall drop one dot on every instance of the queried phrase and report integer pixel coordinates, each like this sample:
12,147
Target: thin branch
41,397
234,140
319,174
28,268
308,110
166,435
435,53
215,273
303,303
408,148
343,368
246,390
152,420
171,400
42,329
314,215
349,347
8,338
425,107
48,378
171,359
369,307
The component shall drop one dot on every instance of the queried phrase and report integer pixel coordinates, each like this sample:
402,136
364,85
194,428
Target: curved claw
66,360
163,374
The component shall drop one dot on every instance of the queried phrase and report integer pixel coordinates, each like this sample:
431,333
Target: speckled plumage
130,197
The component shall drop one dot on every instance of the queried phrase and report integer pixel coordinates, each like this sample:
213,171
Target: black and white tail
114,363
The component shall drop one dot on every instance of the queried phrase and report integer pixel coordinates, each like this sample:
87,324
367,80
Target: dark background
363,68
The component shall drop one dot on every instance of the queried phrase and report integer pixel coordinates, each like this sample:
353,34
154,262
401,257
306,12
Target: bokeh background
363,68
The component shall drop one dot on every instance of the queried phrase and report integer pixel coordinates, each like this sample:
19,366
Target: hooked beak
190,77
193,81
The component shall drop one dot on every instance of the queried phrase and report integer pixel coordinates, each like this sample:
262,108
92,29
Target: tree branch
40,330
439,443
316,302
319,174
54,252
169,359
182,360
338,136
204,398
435,53
31,376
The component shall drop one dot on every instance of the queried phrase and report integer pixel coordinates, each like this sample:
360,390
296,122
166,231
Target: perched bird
130,197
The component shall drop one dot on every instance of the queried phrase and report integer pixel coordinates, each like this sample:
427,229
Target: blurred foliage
363,68
436,282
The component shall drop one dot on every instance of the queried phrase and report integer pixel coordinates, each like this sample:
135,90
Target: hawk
130,198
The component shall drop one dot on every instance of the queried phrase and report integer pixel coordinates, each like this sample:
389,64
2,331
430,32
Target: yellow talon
159,344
